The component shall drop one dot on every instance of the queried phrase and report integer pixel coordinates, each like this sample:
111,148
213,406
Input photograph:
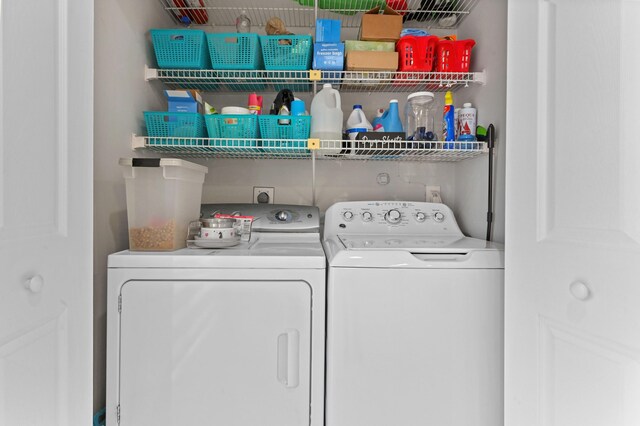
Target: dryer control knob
438,217
283,216
393,216
421,216
347,215
367,216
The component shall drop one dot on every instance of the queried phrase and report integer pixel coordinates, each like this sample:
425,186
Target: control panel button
347,215
393,216
421,216
367,216
438,216
283,216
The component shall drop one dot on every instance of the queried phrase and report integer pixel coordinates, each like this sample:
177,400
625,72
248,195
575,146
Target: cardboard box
328,56
372,61
328,30
381,27
184,101
369,46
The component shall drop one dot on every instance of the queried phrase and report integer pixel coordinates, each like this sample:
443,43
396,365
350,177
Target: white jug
326,118
357,122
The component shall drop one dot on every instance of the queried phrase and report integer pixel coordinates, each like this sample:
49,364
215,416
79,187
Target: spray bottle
448,121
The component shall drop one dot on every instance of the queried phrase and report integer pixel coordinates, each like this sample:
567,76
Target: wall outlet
263,195
433,194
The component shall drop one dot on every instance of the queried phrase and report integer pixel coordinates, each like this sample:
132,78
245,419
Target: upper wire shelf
422,151
437,14
301,81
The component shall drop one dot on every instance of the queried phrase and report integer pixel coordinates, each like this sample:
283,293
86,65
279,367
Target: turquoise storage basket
233,51
296,56
182,49
228,128
162,125
290,137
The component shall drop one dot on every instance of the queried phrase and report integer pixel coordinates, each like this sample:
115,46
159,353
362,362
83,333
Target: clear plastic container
326,117
419,114
163,196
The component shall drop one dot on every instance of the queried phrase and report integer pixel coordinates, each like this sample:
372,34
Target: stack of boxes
376,48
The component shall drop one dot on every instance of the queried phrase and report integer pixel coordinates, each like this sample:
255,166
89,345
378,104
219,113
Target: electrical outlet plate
268,191
433,194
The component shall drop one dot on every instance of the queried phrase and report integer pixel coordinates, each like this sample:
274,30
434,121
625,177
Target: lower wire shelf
376,150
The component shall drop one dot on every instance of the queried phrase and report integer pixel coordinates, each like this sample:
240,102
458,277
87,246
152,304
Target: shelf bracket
480,77
313,144
150,73
137,141
315,75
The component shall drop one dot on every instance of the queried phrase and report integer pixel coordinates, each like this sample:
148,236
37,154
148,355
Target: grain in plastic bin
163,196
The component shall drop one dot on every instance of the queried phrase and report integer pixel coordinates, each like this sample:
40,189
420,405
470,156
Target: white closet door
573,213
46,181
231,353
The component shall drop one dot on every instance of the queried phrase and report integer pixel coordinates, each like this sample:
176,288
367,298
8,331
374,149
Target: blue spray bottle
448,122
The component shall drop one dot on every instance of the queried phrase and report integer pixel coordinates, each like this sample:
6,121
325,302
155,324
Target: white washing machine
231,336
414,318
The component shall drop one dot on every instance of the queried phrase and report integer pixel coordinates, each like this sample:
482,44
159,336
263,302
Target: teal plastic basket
162,125
287,52
182,49
291,137
229,128
233,51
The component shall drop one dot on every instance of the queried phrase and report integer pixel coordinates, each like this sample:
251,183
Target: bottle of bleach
357,122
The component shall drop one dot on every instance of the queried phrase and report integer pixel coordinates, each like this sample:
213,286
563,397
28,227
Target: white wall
121,51
487,24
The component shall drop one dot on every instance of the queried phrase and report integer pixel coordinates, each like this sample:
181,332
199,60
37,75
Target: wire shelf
300,81
437,14
298,149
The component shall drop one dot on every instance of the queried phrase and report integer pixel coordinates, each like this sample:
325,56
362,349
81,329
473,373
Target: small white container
163,196
467,122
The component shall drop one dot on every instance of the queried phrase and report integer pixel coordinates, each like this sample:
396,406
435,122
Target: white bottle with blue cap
357,122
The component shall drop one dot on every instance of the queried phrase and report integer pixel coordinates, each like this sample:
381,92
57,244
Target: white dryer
231,336
414,318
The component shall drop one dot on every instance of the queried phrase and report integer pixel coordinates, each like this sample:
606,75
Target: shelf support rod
313,177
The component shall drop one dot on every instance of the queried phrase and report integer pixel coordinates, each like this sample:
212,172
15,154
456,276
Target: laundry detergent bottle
448,121
390,120
326,119
357,122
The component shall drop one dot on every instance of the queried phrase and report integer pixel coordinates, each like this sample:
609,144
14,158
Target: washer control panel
393,217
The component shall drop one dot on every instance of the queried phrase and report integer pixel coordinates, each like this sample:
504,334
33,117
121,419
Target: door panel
46,125
572,252
215,352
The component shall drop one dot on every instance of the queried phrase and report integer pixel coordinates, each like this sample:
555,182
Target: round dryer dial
438,216
421,216
367,216
347,215
393,216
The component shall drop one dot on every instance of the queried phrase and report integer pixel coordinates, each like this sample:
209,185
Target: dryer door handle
289,358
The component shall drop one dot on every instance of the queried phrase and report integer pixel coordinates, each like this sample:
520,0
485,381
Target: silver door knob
579,290
34,284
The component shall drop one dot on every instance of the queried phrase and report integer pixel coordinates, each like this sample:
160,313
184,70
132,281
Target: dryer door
215,352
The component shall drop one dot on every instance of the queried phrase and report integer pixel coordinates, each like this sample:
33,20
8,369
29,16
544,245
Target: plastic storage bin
417,53
162,125
183,49
287,52
291,132
228,128
454,56
163,196
234,51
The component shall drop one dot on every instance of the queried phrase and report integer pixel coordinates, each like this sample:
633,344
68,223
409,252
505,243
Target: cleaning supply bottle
448,124
255,104
377,125
326,119
243,23
467,121
391,118
357,122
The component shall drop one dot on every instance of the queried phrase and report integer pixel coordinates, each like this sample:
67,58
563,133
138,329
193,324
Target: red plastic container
454,56
416,53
